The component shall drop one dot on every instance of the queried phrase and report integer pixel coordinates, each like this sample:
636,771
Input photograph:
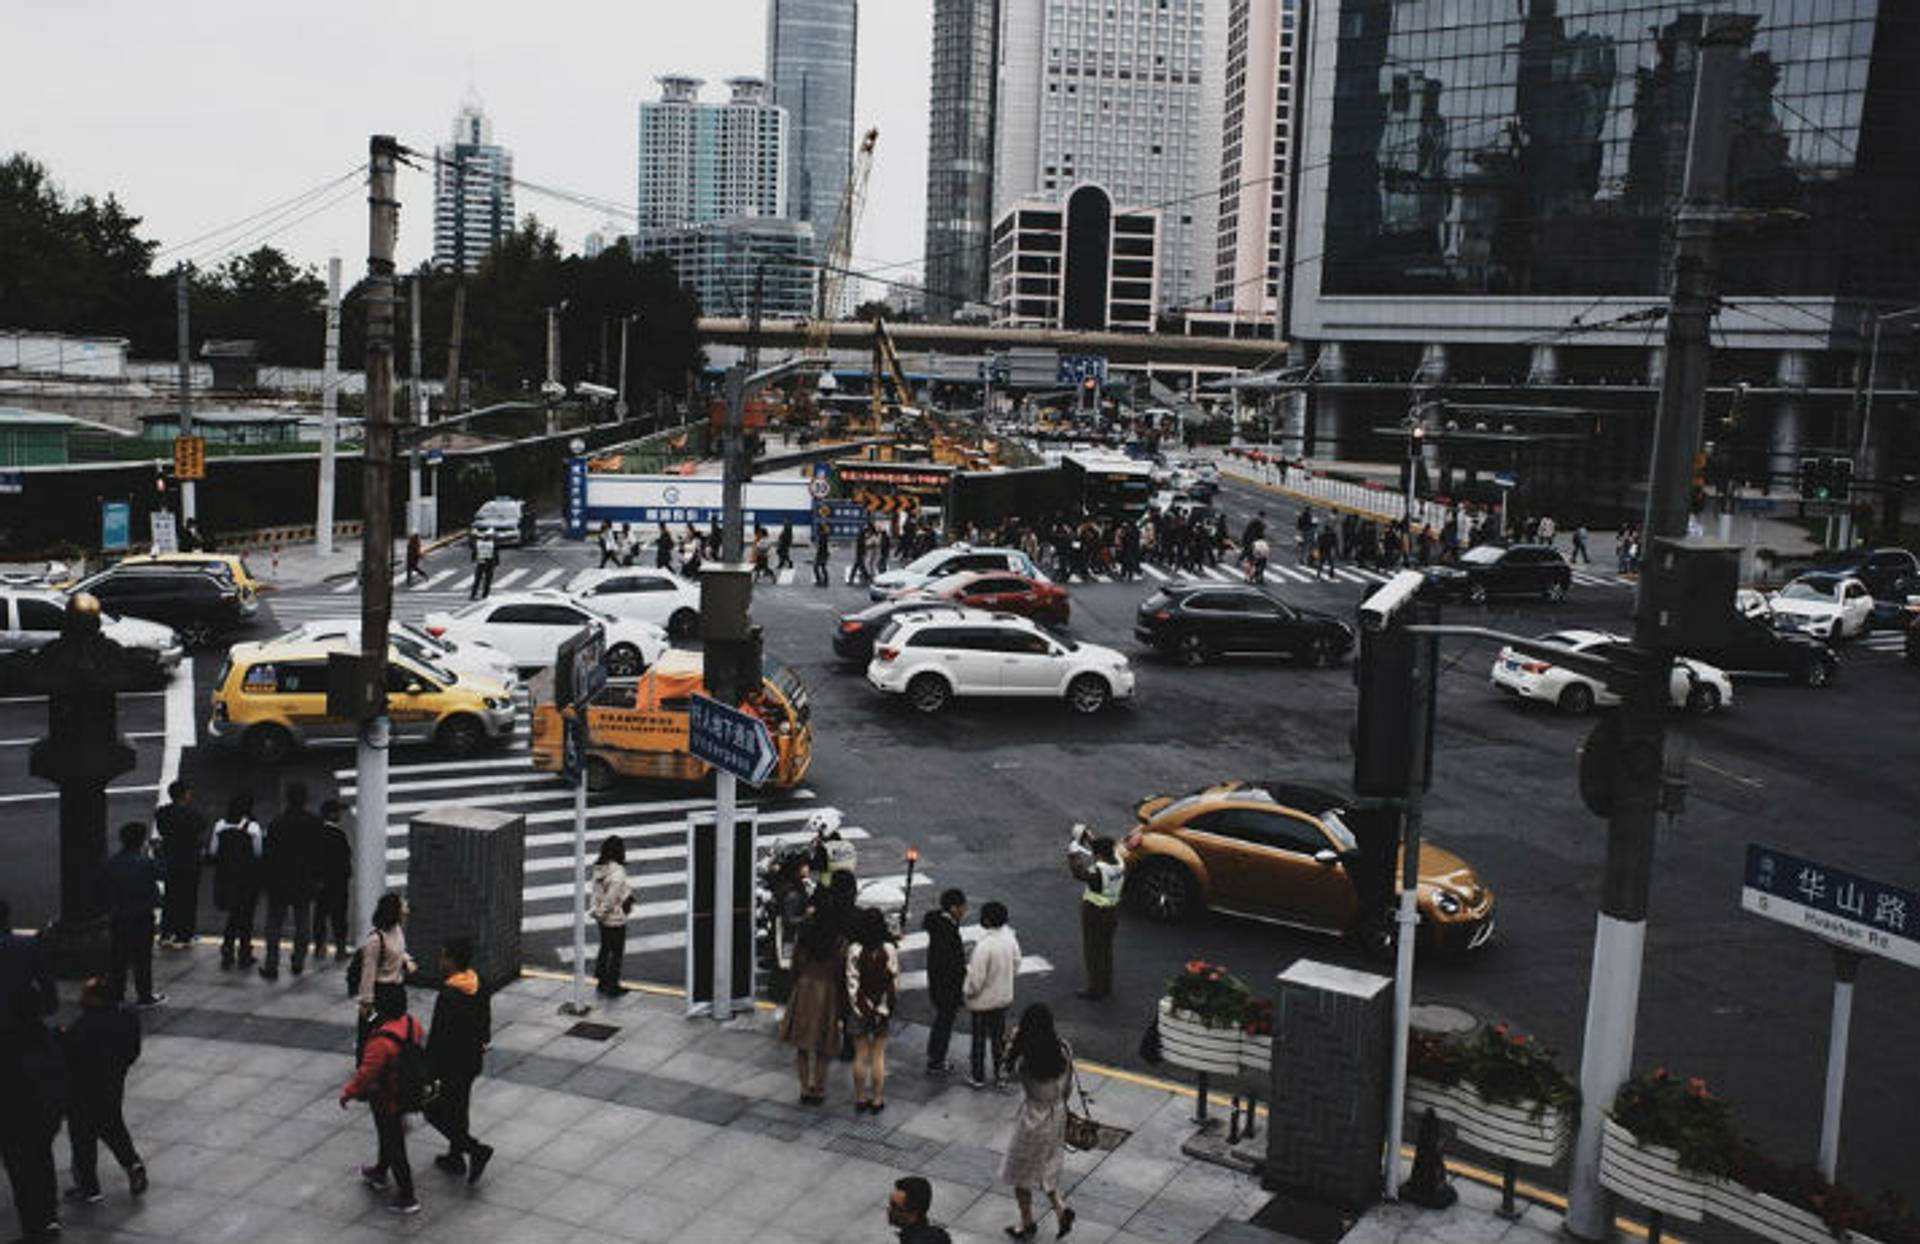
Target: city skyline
191,160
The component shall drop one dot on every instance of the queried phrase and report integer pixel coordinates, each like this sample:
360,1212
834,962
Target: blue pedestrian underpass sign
730,739
1869,917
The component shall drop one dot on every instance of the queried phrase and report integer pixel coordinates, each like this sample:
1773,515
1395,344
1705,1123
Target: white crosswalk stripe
510,578
1154,571
545,579
1886,641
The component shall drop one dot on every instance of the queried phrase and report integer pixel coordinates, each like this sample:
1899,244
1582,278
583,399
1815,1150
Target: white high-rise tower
472,191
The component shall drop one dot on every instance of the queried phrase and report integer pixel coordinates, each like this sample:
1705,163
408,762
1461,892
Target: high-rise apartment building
960,153
1254,160
1074,260
472,191
810,61
1127,94
711,161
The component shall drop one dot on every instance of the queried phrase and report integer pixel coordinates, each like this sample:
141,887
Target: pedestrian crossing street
653,823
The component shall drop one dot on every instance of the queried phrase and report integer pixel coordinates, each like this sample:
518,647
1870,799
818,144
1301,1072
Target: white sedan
469,659
33,617
1693,685
1826,606
651,595
530,627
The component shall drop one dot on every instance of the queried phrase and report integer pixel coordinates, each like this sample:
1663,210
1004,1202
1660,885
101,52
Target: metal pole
1613,991
1866,427
725,785
329,414
180,293
553,368
376,544
620,403
418,405
1407,919
580,1006
1846,966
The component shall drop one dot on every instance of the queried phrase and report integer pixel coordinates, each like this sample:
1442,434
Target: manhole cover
586,1030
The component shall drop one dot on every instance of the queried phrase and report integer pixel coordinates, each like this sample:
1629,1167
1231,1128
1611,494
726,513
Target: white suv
954,559
932,657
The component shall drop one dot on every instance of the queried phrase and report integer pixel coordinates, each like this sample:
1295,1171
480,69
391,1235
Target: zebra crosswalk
1883,641
654,827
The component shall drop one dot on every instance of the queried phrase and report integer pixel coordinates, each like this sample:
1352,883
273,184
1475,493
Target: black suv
200,605
1753,647
1199,621
1489,570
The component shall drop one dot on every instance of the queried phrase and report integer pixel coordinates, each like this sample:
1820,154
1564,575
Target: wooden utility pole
376,544
329,415
1613,990
188,506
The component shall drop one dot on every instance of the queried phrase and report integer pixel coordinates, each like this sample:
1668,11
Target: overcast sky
199,113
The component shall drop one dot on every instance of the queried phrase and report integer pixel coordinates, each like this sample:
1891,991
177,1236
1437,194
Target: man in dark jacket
462,1026
946,975
133,891
333,882
28,1081
907,1211
289,862
183,838
100,1047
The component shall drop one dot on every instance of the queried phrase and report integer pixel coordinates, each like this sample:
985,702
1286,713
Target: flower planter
1256,1058
1187,1042
1765,1216
1650,1175
1505,1130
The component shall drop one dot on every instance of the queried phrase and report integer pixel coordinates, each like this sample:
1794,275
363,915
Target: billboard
679,499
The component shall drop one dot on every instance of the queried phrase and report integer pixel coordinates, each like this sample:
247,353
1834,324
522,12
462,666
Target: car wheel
600,774
1703,700
1556,591
1817,674
1193,649
268,745
196,634
623,661
1089,693
1477,593
928,693
684,624
460,736
1318,654
1163,890
1576,699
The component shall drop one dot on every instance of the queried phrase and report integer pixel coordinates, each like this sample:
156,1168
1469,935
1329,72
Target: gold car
1282,853
221,565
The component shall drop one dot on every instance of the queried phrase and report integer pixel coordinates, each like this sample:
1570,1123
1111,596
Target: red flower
1196,966
1500,1029
1522,1040
1659,1073
1697,1088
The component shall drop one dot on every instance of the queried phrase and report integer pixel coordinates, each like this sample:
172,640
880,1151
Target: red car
1000,592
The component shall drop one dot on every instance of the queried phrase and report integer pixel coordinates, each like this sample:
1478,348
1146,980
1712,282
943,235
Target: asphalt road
987,792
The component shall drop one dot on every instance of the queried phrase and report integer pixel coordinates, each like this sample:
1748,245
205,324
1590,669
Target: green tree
262,296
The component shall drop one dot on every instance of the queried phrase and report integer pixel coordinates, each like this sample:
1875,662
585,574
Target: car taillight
1535,667
436,631
886,654
1162,616
852,628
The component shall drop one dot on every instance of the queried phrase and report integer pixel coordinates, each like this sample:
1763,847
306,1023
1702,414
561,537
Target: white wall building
472,191
711,161
1073,260
1252,255
1126,93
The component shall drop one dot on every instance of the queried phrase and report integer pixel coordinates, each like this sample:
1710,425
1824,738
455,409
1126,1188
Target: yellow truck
637,727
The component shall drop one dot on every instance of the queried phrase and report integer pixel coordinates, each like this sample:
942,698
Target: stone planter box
1186,1042
1256,1058
1510,1131
1650,1175
1767,1217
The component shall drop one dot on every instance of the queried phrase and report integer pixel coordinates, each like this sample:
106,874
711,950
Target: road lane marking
1710,767
545,579
54,794
508,579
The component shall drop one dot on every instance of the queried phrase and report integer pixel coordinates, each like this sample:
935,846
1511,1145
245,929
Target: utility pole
180,286
620,403
329,414
551,389
450,398
1613,990
376,542
418,403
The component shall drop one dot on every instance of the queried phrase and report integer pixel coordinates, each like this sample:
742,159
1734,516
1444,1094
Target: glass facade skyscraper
472,191
810,61
960,153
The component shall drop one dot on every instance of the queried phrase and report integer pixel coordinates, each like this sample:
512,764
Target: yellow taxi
1281,853
271,697
220,565
637,727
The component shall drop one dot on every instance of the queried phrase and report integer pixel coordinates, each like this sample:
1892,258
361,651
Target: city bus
1108,485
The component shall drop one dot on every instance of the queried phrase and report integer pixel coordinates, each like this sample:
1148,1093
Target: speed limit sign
820,487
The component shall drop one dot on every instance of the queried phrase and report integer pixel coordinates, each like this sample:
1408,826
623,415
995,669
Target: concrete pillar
1656,366
1433,364
1327,426
1788,432
1293,427
1544,366
1333,360
1793,369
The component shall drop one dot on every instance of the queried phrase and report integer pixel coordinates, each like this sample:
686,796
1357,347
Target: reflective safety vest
1112,878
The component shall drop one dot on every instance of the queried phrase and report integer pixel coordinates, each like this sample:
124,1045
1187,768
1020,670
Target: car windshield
1811,587
1484,555
498,511
927,563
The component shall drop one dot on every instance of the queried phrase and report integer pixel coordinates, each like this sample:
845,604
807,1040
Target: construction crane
892,396
838,257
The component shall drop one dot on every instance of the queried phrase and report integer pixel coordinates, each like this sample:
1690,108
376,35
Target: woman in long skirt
1044,1065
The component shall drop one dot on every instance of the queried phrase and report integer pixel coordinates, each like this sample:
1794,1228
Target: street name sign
730,739
1869,917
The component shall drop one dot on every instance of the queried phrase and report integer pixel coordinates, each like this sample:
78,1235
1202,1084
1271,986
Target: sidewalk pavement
669,1129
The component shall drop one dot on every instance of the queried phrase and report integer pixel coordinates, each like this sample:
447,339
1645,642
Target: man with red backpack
391,1079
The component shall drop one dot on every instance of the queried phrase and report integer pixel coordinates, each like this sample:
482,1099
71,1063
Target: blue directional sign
1504,479
730,739
116,522
436,456
12,481
1866,916
576,499
844,519
1074,368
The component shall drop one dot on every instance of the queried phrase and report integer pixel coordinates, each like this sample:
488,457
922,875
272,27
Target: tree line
79,265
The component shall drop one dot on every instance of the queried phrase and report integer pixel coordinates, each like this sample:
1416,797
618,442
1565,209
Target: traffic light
1384,735
1840,478
1809,479
1826,479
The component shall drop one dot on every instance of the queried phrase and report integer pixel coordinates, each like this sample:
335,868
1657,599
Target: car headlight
497,704
1446,903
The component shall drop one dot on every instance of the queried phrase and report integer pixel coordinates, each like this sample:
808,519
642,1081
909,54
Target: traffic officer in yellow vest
1094,862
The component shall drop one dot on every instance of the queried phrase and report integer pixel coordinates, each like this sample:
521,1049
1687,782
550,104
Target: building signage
576,499
730,739
1075,368
12,481
901,475
116,524
1870,917
166,533
696,499
844,519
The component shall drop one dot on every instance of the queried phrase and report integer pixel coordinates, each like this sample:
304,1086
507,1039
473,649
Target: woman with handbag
612,900
1044,1065
382,964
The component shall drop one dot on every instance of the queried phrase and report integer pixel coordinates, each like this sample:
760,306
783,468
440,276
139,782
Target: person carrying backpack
873,978
236,878
391,1079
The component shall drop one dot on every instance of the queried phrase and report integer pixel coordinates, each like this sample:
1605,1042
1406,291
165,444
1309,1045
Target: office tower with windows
711,161
810,61
1073,260
960,154
1128,94
1256,152
472,191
